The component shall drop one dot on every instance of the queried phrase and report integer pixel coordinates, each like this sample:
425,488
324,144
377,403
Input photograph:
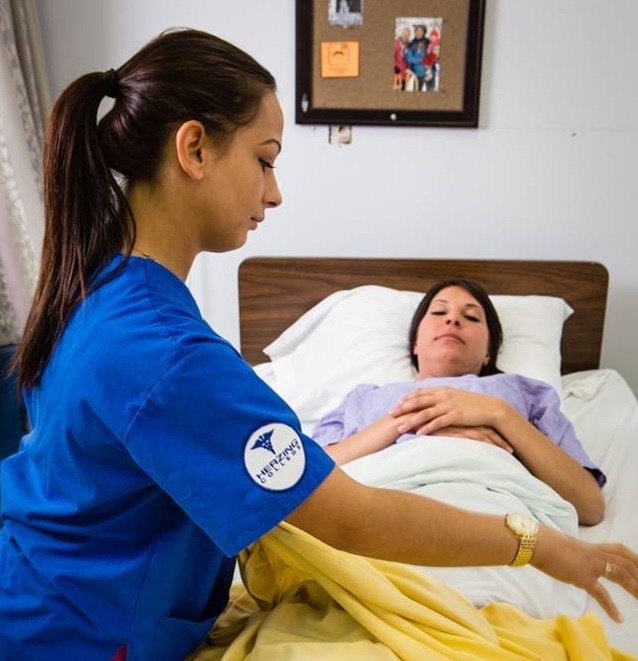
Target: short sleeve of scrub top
192,414
224,436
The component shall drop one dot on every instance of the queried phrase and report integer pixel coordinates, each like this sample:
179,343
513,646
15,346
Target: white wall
550,174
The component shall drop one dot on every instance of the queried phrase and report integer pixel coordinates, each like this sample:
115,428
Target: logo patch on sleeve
274,457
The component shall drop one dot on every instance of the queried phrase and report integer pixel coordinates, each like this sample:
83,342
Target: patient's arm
377,436
384,432
434,409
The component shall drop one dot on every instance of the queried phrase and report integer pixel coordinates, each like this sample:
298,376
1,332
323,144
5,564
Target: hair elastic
112,83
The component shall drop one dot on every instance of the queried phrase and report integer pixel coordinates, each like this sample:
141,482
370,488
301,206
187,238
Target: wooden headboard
275,291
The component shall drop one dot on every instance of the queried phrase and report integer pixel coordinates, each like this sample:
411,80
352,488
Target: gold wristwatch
526,529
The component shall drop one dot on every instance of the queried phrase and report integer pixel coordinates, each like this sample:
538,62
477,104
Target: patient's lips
451,337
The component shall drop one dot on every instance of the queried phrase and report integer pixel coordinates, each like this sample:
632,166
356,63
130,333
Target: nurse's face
240,183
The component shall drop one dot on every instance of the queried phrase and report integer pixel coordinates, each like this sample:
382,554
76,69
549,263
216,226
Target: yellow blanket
310,601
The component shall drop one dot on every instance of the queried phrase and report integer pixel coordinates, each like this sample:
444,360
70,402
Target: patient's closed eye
470,316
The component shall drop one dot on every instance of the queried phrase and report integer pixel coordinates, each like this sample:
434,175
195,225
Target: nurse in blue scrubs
154,453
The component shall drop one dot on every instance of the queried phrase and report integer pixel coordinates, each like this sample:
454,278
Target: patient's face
453,337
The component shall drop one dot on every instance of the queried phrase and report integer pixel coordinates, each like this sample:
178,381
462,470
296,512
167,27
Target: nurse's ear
190,139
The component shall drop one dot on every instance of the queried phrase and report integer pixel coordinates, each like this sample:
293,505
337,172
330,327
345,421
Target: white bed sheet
482,477
604,411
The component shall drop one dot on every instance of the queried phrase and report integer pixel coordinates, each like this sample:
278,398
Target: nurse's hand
588,566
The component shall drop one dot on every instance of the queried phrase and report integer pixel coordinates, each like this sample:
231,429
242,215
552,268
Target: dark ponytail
83,224
88,167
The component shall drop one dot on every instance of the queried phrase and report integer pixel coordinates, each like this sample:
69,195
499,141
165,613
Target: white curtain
24,103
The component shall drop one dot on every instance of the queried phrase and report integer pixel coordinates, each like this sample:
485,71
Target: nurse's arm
400,526
410,528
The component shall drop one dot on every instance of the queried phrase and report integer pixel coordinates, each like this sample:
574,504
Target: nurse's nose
273,195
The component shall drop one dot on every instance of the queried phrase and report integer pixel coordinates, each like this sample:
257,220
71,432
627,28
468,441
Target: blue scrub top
156,454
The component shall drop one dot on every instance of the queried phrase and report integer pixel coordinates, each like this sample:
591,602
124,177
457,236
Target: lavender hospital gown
534,399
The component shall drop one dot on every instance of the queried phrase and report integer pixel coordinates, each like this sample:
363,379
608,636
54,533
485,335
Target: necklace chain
141,253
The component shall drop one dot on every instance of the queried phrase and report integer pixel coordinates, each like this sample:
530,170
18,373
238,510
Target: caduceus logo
264,441
285,461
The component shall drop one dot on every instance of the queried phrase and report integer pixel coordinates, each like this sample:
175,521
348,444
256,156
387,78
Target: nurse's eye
266,165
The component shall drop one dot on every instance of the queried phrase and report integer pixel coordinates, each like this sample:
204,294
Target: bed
315,327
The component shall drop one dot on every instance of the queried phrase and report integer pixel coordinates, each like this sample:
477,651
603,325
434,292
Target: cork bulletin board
389,62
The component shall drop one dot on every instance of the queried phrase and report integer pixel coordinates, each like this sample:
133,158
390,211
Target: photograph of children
417,50
346,13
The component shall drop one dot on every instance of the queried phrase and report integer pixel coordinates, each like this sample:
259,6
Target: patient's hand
429,410
478,433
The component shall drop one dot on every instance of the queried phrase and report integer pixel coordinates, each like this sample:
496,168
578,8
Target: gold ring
608,569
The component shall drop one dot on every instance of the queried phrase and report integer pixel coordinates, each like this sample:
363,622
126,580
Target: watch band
526,530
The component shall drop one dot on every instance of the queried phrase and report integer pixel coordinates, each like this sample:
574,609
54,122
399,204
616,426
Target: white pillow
360,335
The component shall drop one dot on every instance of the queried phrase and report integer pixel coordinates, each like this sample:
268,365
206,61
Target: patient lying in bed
454,336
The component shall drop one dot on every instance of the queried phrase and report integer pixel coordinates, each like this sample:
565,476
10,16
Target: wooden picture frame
345,74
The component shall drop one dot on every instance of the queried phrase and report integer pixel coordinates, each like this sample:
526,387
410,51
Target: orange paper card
339,59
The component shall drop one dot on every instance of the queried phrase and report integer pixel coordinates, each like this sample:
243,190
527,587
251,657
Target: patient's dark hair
494,327
181,75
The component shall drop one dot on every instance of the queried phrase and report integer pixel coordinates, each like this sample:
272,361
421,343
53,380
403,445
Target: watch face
523,523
